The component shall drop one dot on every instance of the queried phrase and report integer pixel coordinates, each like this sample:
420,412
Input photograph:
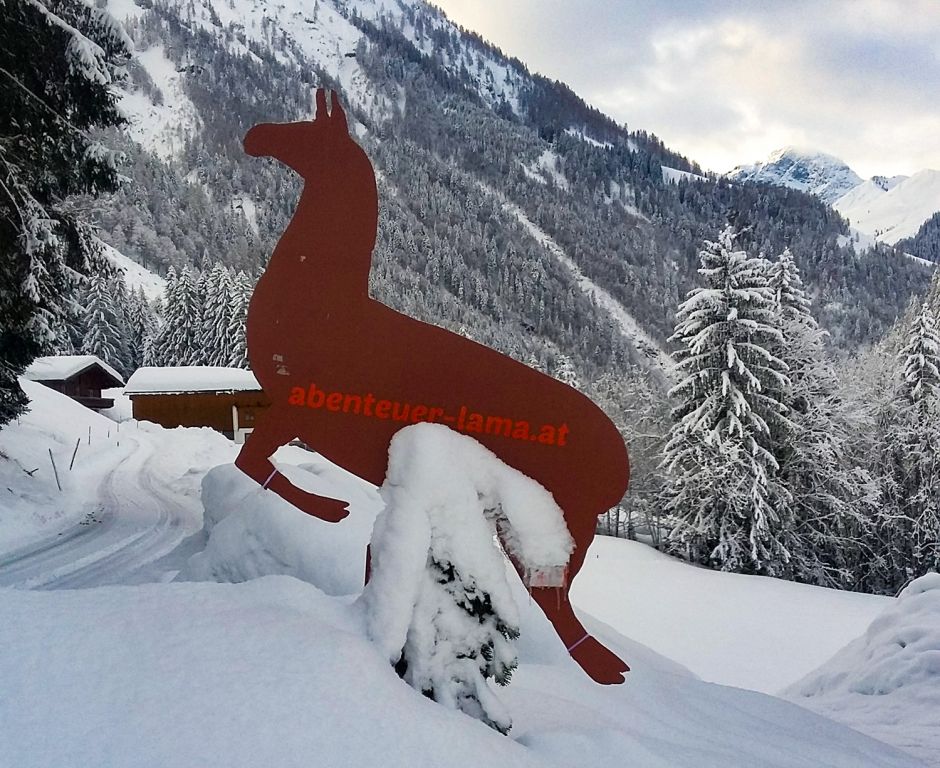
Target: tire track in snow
139,524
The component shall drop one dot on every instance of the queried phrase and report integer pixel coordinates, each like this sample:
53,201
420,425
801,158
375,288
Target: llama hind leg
254,460
602,664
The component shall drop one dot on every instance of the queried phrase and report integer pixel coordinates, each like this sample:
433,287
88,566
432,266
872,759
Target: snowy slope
674,176
135,275
886,683
820,174
746,631
892,212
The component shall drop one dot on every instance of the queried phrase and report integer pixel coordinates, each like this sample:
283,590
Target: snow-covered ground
746,631
135,275
894,210
885,682
278,669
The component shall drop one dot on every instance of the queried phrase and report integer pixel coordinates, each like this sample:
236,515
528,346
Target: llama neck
322,248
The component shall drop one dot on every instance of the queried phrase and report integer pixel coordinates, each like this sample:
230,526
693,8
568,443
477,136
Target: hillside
277,669
447,119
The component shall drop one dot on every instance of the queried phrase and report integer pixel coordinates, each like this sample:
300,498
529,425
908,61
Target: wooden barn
225,399
81,377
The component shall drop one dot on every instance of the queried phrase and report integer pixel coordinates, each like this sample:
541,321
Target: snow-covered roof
190,378
62,367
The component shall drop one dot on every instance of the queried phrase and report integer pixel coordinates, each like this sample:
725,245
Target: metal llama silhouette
344,372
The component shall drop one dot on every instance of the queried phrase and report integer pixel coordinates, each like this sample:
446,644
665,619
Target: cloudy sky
728,82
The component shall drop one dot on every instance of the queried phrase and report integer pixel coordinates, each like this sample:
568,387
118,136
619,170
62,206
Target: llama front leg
254,460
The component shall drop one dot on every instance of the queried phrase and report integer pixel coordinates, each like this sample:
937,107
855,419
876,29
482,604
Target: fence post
54,470
77,442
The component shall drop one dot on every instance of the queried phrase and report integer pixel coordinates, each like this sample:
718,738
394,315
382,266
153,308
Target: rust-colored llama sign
344,372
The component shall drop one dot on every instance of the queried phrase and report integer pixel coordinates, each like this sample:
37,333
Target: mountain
508,205
817,173
886,209
894,209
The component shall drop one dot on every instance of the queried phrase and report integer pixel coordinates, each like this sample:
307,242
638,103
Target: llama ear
321,106
338,116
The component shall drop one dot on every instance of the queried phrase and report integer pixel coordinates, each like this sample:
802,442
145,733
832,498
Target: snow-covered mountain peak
807,170
894,208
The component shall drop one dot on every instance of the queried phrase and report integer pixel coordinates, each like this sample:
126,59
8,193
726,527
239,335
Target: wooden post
54,470
77,442
234,422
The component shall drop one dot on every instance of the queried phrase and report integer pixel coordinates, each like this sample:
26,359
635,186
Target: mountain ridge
886,208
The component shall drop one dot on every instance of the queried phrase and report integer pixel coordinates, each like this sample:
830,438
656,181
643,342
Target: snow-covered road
135,522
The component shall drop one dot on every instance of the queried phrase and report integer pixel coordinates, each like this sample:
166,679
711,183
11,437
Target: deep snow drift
276,671
887,682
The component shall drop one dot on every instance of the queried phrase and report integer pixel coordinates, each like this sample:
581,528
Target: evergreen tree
100,328
182,320
142,328
723,494
832,500
238,316
58,62
910,517
216,341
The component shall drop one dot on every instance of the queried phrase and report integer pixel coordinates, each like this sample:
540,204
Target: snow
886,683
803,169
545,168
190,378
131,496
160,128
253,532
921,261
445,497
281,670
746,631
674,176
123,408
896,212
61,367
248,209
124,9
579,133
316,35
135,275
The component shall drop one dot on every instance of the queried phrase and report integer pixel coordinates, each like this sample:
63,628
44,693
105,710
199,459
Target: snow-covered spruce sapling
438,602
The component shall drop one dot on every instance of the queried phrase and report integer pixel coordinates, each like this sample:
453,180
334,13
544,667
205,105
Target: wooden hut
81,377
225,399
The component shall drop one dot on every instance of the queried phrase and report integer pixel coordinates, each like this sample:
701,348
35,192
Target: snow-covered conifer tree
238,315
216,341
178,338
727,506
832,499
100,328
910,518
58,63
142,328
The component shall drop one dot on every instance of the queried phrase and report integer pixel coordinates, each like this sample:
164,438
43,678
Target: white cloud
727,83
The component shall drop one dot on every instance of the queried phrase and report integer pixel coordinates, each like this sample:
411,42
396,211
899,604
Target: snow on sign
344,372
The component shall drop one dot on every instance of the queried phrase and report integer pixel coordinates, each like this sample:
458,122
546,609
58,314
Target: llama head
313,148
335,169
